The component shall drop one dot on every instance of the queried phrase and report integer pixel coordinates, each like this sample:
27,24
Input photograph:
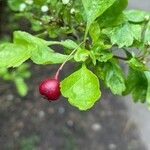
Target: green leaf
147,73
81,55
94,31
100,52
15,4
41,53
147,34
124,35
69,44
81,88
98,70
41,56
114,78
95,8
136,31
24,38
136,83
136,64
109,20
136,15
13,55
21,86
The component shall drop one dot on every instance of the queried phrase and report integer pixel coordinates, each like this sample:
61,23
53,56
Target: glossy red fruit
50,89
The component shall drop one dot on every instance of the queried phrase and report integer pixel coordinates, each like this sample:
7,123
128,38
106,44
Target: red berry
50,89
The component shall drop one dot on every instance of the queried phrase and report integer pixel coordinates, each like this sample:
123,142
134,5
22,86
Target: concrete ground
139,113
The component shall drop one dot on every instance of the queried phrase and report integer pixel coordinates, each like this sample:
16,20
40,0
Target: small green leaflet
95,8
114,78
81,88
136,15
13,55
147,73
81,55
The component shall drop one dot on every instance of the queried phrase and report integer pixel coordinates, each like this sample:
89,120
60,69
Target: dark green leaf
114,78
136,83
147,73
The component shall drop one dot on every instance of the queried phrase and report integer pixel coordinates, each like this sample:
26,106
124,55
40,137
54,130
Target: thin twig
62,65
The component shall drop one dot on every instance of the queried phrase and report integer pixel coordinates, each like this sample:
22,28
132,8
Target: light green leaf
81,88
136,15
81,55
95,8
69,44
24,38
147,34
41,56
122,35
136,31
147,73
21,86
41,53
13,55
114,78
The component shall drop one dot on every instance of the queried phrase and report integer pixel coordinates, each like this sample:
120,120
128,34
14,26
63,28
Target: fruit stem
62,65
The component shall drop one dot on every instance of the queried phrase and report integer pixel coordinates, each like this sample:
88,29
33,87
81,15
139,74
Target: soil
33,123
